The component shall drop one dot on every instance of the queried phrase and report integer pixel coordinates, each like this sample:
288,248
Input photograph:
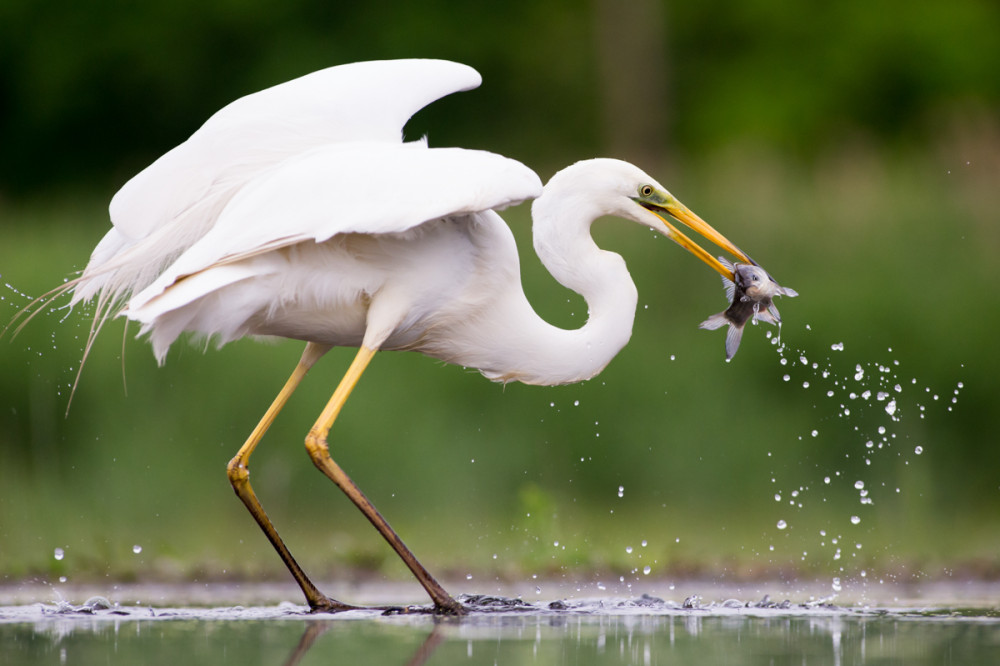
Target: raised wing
368,101
373,188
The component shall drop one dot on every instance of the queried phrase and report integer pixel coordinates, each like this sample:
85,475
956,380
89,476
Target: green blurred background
853,149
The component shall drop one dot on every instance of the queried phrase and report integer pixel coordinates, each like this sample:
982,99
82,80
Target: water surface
634,630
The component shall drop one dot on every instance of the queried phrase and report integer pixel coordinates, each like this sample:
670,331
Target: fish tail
733,340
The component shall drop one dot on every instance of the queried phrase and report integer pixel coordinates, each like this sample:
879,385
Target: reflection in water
313,631
595,635
316,629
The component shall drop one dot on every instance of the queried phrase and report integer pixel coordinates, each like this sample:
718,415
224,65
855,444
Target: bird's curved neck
564,245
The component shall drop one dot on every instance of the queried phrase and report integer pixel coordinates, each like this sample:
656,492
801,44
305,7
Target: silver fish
751,297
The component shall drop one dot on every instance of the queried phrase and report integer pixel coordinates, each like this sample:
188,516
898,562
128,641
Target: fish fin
714,322
767,317
771,315
733,338
788,291
728,284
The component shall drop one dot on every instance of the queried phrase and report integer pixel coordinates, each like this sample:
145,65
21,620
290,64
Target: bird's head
623,190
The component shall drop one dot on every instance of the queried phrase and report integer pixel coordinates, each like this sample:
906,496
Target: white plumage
299,212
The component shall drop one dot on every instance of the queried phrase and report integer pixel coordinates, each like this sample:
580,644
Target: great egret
299,212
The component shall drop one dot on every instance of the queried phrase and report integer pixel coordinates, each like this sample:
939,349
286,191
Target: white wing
372,188
369,101
165,208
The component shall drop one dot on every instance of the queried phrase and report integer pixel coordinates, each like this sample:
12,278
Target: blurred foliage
92,92
853,152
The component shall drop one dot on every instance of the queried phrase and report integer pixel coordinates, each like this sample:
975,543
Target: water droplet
859,484
836,585
787,378
646,570
782,524
468,576
621,491
644,543
859,373
136,549
59,553
826,479
576,403
628,549
855,520
777,497
815,433
890,408
918,450
837,346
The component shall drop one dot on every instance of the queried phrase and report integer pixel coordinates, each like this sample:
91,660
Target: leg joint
237,472
317,446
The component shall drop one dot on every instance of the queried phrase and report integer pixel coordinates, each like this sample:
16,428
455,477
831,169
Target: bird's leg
239,477
319,451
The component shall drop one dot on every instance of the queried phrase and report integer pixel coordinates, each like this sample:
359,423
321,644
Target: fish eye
645,190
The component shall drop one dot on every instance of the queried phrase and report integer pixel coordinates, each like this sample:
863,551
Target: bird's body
299,212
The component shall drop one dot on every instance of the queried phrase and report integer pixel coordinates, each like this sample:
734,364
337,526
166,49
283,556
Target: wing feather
173,202
370,188
369,101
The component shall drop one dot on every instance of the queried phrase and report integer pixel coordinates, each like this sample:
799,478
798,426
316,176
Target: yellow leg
319,451
239,477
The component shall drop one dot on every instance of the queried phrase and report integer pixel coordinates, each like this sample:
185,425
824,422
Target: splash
861,406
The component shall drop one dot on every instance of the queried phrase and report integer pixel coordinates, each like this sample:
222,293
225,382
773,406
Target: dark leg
319,451
239,477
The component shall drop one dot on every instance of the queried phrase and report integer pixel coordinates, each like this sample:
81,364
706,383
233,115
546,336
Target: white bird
299,212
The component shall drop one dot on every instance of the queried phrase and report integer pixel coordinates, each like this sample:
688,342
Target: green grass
888,253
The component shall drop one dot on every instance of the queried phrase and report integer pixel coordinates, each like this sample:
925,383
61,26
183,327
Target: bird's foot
450,607
327,605
445,609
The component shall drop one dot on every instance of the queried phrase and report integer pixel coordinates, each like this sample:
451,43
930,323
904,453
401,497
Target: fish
751,297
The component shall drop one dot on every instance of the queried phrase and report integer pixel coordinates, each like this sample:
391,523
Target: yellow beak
683,214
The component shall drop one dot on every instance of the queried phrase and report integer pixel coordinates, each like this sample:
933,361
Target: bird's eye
645,190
